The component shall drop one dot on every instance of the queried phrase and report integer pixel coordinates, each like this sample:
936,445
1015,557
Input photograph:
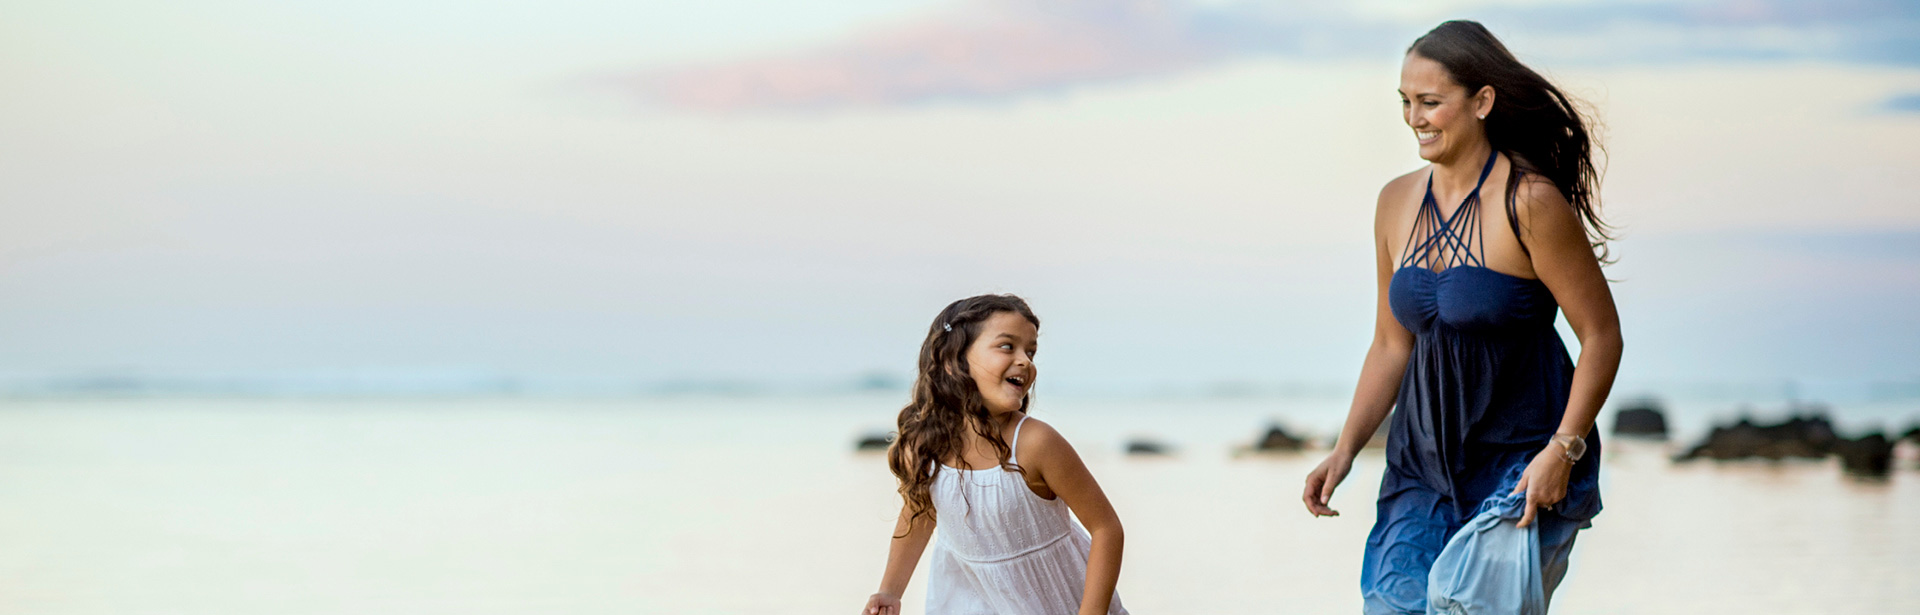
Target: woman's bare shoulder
1397,194
1537,200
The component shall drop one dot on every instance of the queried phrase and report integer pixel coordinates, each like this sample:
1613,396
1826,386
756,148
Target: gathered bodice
991,514
1470,299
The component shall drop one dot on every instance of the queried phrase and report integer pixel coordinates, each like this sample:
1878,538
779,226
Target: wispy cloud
1867,31
998,49
1903,103
984,49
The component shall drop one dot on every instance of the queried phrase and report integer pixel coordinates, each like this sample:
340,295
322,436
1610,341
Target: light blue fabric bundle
1491,566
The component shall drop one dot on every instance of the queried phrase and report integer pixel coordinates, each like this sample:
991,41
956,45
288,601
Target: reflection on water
760,506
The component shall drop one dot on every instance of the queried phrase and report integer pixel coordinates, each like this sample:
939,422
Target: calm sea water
760,506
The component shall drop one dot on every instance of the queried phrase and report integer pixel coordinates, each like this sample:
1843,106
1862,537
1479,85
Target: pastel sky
648,193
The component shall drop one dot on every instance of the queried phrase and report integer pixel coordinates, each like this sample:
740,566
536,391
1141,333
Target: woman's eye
1431,103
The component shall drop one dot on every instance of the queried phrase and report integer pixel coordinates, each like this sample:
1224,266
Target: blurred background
505,306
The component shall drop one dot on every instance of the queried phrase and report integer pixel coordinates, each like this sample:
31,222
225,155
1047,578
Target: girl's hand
1545,481
882,603
1322,480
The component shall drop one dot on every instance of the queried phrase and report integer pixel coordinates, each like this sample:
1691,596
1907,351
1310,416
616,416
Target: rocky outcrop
1807,436
1801,436
1868,456
873,441
1277,440
1144,446
1643,419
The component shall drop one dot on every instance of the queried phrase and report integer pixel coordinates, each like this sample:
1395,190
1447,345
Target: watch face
1577,447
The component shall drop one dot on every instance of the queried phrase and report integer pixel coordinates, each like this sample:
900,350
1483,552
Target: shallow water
759,506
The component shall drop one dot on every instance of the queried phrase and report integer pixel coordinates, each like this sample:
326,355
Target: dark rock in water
1801,436
875,441
1869,456
1278,440
1142,446
1640,420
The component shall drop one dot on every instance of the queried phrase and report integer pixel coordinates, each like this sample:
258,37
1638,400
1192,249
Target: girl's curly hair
946,402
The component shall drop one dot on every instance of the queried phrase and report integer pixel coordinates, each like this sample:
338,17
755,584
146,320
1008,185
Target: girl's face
1446,120
1001,360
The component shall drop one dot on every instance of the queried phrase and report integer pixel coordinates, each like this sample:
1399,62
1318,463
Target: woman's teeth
1423,136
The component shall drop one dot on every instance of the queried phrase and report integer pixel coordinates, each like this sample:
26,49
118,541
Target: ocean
748,505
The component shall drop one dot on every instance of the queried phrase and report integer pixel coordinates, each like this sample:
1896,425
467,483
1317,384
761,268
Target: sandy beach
741,505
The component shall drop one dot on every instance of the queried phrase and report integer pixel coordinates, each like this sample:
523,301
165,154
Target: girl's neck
977,447
998,421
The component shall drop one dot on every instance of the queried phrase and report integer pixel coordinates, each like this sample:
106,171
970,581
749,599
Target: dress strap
1451,241
1013,450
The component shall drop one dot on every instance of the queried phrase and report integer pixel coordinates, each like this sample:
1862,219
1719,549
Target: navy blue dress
1484,391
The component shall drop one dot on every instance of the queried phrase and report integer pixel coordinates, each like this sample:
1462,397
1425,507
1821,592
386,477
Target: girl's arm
909,541
1565,263
1053,460
1380,375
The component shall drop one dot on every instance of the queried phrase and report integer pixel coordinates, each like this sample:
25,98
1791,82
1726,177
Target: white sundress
1001,550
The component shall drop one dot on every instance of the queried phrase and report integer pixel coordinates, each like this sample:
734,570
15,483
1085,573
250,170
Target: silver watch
1572,447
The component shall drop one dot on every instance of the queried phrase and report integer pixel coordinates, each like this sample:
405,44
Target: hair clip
946,326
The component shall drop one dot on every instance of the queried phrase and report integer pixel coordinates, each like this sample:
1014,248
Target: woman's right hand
882,604
1322,480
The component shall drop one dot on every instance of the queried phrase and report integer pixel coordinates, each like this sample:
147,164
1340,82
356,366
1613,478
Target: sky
600,195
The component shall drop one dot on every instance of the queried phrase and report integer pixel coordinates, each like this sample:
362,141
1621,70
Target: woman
1490,407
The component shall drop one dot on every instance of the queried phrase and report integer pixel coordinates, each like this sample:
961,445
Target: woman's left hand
1545,481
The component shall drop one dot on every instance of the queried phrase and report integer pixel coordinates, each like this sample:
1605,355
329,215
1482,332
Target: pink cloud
996,49
983,49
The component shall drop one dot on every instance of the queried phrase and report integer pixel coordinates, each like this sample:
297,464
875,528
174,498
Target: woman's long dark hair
1532,122
946,402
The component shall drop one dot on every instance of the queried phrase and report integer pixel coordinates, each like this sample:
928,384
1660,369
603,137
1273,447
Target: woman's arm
909,541
1564,261
1048,455
1380,374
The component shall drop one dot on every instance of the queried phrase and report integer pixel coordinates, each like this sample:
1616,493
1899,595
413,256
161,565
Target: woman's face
1446,121
1001,360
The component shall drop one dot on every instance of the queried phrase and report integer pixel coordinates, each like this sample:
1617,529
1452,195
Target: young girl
997,484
